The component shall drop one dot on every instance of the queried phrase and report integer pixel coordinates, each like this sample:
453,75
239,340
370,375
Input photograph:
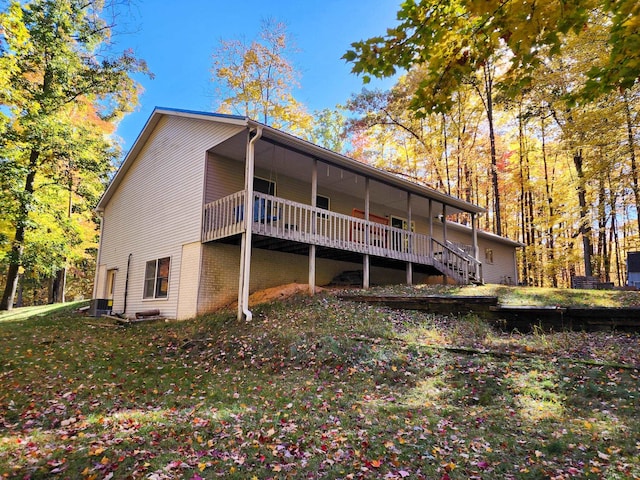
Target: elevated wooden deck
278,218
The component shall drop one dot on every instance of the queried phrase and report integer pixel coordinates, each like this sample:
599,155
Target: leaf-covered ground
315,388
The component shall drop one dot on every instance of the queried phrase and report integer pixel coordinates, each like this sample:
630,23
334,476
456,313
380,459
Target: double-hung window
156,278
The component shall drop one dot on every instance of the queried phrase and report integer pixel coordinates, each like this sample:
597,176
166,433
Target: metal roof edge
486,234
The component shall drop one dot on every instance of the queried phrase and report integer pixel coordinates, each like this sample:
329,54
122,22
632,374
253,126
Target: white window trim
154,298
489,259
328,201
275,184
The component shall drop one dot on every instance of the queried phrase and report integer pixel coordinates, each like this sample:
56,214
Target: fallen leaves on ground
315,388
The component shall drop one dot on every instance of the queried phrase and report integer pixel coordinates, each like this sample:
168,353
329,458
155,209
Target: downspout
248,223
126,284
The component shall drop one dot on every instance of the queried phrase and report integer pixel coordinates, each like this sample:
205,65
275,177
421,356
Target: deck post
444,240
474,242
312,246
409,240
430,215
365,260
245,253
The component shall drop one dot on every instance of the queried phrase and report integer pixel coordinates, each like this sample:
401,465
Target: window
262,185
488,255
399,222
322,202
156,278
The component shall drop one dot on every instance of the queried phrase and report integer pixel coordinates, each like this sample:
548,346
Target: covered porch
315,202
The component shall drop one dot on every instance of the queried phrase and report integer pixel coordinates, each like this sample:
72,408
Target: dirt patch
280,292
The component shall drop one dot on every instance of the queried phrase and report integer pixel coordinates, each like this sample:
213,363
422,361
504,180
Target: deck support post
430,216
245,248
409,240
474,242
444,240
312,247
366,260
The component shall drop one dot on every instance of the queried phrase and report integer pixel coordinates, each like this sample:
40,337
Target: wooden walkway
521,318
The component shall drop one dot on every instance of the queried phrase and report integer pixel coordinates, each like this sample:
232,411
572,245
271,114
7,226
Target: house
633,269
207,208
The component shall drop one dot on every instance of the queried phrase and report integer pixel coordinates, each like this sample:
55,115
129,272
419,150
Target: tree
257,79
458,37
61,92
329,129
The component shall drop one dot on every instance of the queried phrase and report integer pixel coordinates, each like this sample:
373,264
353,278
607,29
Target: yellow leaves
94,452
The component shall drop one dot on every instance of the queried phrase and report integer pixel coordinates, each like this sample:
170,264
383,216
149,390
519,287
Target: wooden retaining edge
432,303
521,317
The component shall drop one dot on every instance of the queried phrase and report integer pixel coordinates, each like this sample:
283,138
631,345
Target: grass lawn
522,295
314,388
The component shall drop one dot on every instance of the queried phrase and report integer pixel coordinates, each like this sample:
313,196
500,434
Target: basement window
156,278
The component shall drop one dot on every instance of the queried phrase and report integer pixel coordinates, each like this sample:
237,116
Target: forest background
529,110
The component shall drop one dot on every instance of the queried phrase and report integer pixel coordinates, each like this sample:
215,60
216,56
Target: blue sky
177,39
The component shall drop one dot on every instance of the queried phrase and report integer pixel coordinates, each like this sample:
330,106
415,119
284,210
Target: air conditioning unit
100,306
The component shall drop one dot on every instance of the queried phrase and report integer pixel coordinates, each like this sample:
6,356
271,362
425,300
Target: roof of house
484,234
289,141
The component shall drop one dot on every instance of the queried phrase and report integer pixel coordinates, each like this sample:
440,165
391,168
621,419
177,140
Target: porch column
474,235
312,247
430,216
474,245
409,240
245,248
365,261
444,224
444,240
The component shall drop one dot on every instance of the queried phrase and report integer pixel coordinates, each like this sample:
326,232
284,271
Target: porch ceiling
336,172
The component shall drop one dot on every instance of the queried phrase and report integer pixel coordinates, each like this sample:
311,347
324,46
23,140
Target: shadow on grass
25,313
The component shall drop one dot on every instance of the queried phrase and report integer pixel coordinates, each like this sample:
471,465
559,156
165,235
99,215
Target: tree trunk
445,148
523,209
585,222
602,232
494,156
632,155
550,239
17,249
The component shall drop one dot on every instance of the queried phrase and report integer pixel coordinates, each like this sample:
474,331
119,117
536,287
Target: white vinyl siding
157,207
189,279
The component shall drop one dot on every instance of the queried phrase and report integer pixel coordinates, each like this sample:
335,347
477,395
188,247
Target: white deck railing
287,220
